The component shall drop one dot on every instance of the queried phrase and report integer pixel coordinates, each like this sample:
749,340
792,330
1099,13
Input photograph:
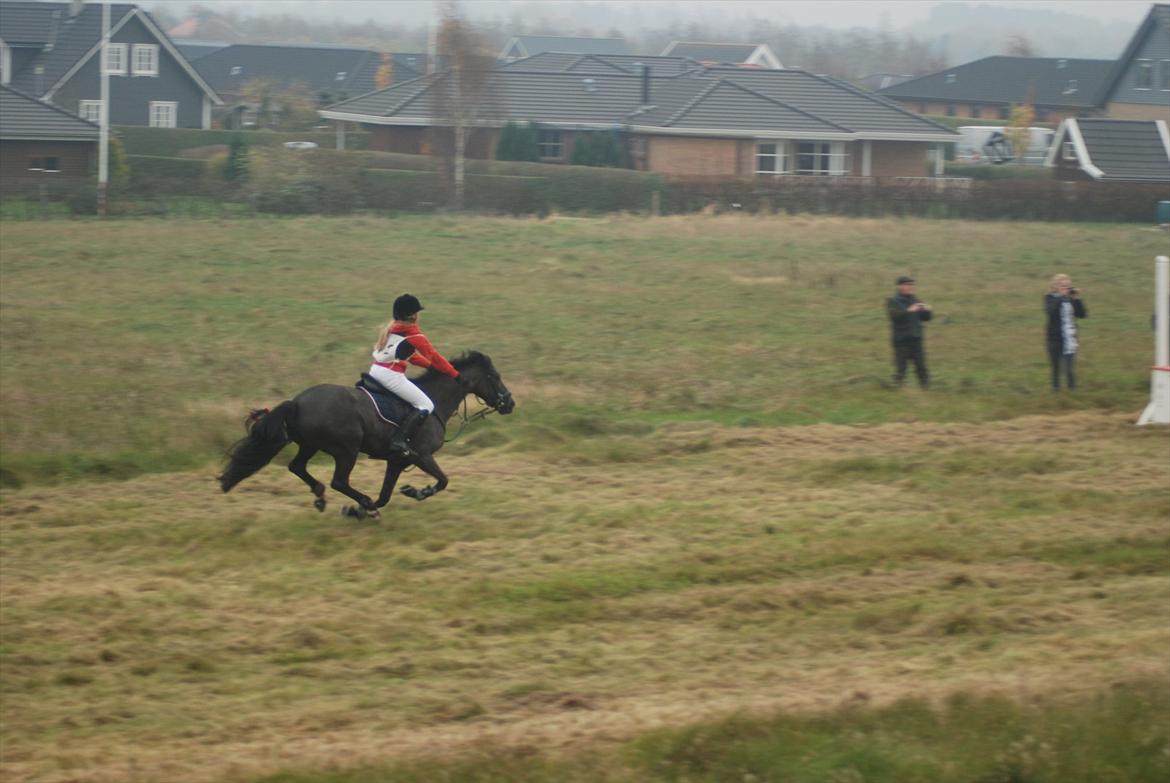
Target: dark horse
341,421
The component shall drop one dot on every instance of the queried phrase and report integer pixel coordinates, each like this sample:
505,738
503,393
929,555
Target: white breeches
398,383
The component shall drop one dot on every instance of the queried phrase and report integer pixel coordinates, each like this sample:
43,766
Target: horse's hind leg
344,465
299,467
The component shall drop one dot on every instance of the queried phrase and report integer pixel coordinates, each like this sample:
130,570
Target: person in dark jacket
1064,306
907,315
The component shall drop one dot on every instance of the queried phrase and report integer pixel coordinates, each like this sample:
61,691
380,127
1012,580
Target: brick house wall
75,161
897,159
1134,111
693,156
1045,115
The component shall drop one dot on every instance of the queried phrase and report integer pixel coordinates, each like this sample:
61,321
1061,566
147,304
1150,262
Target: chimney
53,21
75,8
645,85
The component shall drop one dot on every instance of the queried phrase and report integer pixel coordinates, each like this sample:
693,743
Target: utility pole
104,115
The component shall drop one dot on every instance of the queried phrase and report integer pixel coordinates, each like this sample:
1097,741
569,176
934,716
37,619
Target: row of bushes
326,181
169,142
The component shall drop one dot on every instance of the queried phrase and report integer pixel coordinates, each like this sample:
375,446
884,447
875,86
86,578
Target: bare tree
1018,45
463,90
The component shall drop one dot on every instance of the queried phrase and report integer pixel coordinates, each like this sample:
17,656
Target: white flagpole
1158,411
104,114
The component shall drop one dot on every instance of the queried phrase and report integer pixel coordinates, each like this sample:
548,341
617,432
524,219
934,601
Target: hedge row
168,142
1019,199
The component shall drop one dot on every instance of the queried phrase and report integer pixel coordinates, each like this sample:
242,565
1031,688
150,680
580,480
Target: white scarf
1068,327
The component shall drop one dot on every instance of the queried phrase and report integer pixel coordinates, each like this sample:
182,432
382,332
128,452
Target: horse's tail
267,435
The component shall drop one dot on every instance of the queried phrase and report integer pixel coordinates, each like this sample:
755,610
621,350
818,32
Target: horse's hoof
319,504
353,511
409,491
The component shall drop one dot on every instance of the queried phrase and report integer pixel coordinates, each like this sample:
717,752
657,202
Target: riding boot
406,430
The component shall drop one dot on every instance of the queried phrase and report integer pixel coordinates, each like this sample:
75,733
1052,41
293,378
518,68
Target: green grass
181,325
1121,737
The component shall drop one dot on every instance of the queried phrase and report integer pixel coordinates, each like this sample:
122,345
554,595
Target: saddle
390,407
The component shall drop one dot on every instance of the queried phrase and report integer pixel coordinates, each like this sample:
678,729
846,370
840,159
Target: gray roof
538,44
193,49
320,67
1126,150
29,23
736,100
603,63
711,52
1046,81
24,117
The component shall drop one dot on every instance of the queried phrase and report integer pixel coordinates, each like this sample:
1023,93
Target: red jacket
424,354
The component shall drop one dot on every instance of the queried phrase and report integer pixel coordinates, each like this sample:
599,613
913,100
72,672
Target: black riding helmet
405,306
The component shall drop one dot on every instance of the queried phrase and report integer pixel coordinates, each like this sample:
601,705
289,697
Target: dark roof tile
1045,81
24,117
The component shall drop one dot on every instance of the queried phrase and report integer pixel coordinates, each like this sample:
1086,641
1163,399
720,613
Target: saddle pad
389,407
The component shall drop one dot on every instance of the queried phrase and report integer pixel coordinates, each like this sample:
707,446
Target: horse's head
483,380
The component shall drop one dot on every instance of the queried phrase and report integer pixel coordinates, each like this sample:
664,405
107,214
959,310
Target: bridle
482,413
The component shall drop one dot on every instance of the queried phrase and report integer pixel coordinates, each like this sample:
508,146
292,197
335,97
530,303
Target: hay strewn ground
155,630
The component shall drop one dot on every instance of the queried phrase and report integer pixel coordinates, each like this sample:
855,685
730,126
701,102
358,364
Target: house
529,45
1107,150
328,73
713,122
747,55
1058,87
50,51
42,145
1138,88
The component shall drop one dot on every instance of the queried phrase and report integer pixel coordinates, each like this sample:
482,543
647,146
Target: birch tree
463,91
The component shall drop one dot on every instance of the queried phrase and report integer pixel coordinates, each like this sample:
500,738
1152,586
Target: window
1068,151
772,157
90,110
116,59
1041,115
922,108
821,158
235,70
1143,75
1071,87
950,110
339,76
1164,75
1005,112
950,78
145,60
976,112
47,165
549,144
162,114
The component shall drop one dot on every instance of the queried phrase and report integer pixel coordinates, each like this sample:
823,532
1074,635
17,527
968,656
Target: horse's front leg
428,465
394,468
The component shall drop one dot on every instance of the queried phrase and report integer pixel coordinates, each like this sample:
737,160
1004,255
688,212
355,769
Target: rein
465,419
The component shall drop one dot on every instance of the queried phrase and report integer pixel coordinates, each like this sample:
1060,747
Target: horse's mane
463,360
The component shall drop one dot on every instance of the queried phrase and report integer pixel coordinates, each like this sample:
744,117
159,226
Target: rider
402,342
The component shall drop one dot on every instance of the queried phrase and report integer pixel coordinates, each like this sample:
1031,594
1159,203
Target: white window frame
43,168
151,66
830,158
85,107
1164,75
1068,151
235,70
1144,68
1071,87
545,147
173,106
116,59
779,157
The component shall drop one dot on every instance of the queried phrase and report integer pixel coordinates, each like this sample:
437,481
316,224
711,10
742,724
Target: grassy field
710,545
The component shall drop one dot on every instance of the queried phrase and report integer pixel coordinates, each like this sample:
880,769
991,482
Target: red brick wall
74,159
693,157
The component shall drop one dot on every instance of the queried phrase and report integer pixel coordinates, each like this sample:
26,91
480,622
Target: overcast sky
894,14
